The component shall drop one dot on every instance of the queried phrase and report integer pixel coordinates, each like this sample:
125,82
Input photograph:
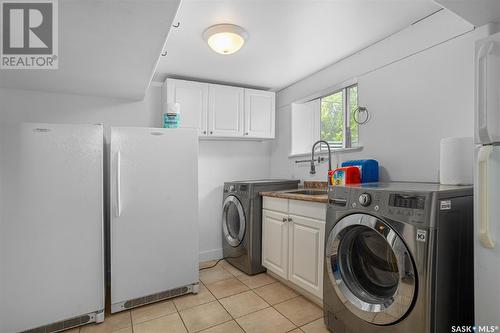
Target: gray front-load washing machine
399,258
242,221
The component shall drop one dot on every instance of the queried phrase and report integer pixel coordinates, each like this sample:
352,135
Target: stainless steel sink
308,192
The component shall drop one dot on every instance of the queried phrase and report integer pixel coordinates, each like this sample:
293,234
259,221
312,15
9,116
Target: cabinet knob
204,132
246,133
290,219
211,132
284,219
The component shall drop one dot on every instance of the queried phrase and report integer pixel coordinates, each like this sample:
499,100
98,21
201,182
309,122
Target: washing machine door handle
229,235
409,270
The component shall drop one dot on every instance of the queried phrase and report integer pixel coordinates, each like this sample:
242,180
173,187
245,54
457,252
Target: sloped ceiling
106,48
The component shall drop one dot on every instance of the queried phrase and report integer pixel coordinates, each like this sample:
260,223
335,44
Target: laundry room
249,166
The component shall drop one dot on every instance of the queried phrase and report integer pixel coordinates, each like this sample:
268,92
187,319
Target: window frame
346,126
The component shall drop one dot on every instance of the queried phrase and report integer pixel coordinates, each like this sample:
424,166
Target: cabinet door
193,100
225,110
275,242
306,247
259,113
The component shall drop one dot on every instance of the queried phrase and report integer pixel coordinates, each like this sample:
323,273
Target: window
330,118
337,125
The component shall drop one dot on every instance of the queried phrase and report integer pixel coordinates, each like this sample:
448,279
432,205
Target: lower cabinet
292,244
275,242
305,253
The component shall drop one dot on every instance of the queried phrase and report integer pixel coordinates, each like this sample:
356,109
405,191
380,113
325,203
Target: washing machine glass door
370,268
233,221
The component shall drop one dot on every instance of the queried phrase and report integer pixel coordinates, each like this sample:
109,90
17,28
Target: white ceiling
288,40
106,48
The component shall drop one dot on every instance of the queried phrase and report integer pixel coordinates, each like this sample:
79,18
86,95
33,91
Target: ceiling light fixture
225,38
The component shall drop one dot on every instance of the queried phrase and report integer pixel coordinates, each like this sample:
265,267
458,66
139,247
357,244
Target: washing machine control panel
397,206
365,199
236,189
407,201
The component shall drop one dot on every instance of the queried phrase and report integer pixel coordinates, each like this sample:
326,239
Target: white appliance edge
487,181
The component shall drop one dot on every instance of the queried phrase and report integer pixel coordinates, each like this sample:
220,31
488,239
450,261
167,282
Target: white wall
305,126
34,106
416,38
414,101
219,161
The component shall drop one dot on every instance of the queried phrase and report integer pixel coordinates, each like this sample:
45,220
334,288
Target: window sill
325,152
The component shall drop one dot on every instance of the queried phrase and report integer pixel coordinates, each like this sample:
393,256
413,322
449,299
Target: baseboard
210,255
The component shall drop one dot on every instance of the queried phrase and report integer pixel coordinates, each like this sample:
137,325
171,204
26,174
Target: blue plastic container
368,168
171,120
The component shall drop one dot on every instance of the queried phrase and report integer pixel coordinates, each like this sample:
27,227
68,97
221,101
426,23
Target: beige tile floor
229,301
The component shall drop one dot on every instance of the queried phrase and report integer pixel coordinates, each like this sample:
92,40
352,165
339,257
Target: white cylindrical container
456,161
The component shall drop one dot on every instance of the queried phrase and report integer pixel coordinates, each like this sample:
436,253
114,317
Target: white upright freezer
154,215
487,183
51,226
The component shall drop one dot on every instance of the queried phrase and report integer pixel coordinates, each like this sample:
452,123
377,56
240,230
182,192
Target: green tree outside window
334,110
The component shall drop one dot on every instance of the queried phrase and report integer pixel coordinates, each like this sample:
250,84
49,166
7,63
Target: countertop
323,198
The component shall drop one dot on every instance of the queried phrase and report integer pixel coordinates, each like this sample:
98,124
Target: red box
346,175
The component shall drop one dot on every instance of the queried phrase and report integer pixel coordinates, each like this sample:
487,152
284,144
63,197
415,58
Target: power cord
218,261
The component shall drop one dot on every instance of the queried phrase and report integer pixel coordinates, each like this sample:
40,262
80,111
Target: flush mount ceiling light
225,38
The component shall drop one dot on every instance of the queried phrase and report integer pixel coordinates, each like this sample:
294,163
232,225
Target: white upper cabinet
259,113
221,111
193,98
225,105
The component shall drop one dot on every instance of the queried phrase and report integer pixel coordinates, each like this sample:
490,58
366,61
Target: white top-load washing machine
399,258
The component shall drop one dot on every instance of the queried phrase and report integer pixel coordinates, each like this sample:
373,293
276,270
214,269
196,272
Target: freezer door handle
484,233
481,92
118,184
485,91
